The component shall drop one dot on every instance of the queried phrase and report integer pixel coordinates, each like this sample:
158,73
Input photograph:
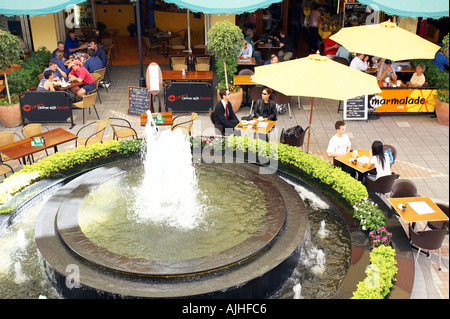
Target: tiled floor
421,143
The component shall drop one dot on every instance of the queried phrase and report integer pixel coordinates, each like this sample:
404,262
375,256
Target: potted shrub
10,53
132,29
442,111
225,43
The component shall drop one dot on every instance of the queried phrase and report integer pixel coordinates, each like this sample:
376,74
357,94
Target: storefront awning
411,8
223,6
34,7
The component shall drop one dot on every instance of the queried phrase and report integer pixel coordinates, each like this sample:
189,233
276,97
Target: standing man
223,112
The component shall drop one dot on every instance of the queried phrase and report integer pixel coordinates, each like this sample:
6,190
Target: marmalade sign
404,100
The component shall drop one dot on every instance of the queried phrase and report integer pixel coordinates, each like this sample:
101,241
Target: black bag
292,132
247,118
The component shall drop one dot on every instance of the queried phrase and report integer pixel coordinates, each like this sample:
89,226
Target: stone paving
421,143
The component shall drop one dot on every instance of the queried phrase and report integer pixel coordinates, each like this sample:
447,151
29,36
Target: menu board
356,108
138,100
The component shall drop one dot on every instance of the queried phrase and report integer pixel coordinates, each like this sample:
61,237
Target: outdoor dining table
256,127
249,61
361,166
417,209
167,118
23,148
245,81
164,38
68,87
174,75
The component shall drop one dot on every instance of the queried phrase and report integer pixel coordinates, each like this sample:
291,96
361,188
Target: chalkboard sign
46,107
189,97
138,100
356,108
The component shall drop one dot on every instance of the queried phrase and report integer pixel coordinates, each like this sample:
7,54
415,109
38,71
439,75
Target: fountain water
323,232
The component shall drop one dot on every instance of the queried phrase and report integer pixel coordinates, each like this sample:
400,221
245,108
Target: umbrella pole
310,120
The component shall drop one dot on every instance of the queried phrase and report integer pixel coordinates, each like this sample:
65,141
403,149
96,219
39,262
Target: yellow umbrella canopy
385,40
316,76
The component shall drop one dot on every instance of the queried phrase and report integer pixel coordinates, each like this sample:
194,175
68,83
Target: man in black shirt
287,47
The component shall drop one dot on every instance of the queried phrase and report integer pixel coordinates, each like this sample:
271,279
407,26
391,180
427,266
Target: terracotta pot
11,116
442,112
235,99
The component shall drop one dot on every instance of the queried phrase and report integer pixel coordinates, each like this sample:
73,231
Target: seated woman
380,159
418,78
46,83
265,107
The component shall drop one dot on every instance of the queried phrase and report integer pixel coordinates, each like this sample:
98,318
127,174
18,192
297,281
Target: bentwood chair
393,151
218,128
403,188
280,98
33,129
97,78
96,137
186,126
121,128
255,95
7,137
5,169
428,239
149,45
297,140
87,102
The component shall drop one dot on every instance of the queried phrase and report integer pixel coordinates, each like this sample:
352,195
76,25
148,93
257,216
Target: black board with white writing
138,100
356,108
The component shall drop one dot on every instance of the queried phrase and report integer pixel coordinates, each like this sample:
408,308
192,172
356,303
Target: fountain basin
254,268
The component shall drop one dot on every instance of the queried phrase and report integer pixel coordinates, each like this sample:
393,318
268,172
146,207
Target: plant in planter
10,53
132,29
225,43
380,237
445,48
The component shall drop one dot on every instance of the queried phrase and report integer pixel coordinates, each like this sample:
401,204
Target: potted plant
132,29
10,53
442,111
225,43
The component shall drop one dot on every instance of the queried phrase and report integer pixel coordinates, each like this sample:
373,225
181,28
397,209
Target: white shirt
339,145
248,50
417,79
358,64
380,171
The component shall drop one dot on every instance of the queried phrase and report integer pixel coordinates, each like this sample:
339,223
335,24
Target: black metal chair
428,239
216,126
297,140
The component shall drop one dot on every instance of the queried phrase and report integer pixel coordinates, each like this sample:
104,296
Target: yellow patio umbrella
385,40
316,76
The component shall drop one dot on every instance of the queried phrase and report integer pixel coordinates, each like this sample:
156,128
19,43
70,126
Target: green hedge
354,192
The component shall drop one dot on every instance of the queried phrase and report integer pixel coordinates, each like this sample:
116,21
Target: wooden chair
428,239
122,130
179,67
179,61
96,137
40,76
5,169
382,185
87,102
181,125
7,137
201,67
149,45
203,60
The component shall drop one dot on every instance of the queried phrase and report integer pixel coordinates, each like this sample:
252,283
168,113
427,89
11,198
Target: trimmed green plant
225,42
10,53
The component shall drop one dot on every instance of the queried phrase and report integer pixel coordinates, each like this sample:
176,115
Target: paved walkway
421,143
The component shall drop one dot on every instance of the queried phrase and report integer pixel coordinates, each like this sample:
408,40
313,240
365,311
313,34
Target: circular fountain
181,245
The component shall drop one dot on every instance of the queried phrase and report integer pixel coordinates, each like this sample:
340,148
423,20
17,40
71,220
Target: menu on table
421,207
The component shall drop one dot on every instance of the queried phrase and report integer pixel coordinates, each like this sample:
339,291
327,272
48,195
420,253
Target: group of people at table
63,67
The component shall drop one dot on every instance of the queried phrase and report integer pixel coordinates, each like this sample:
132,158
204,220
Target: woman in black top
265,107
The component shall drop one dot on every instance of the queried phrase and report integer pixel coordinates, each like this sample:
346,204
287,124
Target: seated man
61,48
418,78
287,47
92,63
247,50
80,74
342,52
273,59
57,71
330,47
223,112
359,62
386,71
46,83
72,43
99,53
59,56
340,145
